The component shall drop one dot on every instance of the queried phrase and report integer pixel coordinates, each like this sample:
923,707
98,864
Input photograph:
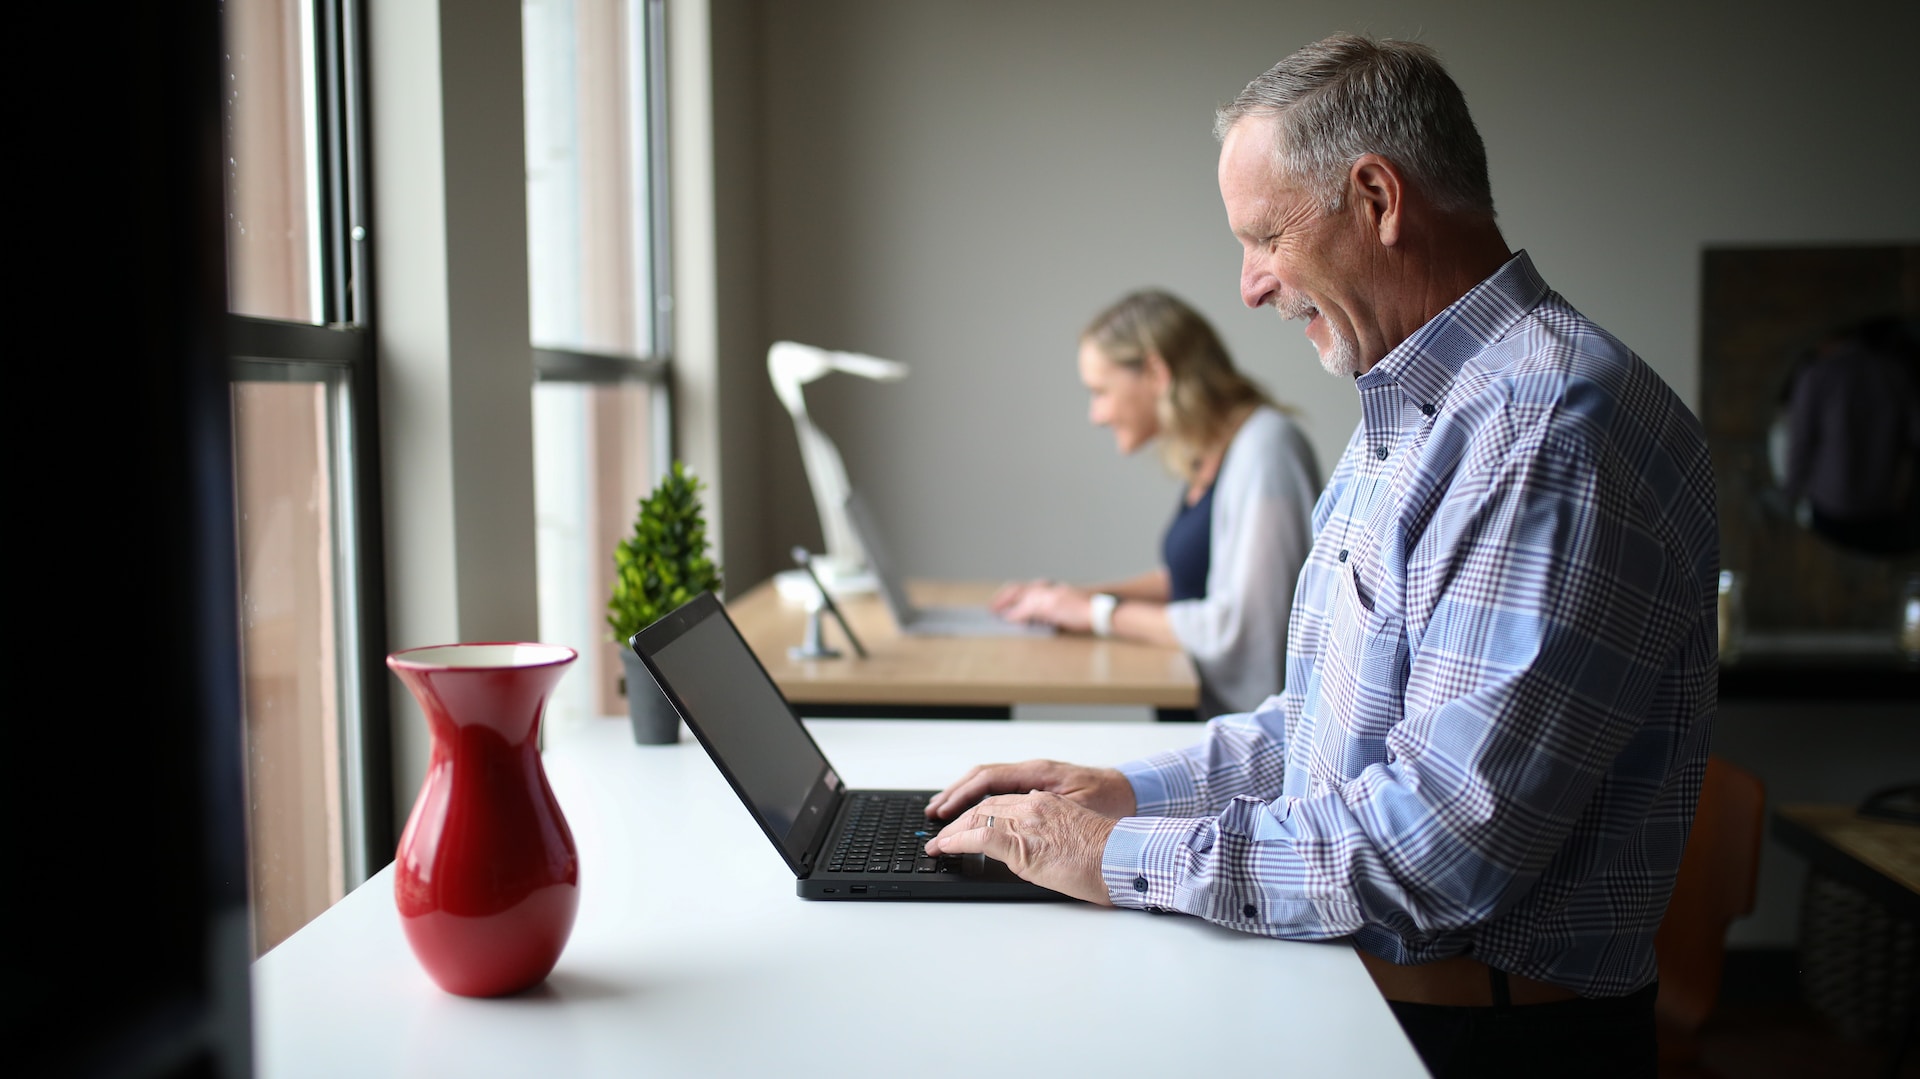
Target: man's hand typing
1047,839
1103,790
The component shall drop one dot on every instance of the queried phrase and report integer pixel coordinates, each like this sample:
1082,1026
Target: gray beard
1342,359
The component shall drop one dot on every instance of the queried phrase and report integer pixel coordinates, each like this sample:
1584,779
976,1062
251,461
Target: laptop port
858,889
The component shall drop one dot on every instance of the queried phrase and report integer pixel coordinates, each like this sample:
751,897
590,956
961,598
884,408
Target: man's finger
960,793
991,779
992,814
983,781
980,832
967,841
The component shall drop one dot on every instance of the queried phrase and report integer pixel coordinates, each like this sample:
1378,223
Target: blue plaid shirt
1501,671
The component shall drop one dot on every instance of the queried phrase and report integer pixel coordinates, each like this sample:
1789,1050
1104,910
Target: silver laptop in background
924,621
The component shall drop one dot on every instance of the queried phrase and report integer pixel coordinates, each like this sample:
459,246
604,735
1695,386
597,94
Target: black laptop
840,843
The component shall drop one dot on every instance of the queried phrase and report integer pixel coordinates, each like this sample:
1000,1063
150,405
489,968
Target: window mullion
660,208
349,568
576,365
332,172
270,339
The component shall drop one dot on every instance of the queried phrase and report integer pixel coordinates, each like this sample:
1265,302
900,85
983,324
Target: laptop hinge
825,833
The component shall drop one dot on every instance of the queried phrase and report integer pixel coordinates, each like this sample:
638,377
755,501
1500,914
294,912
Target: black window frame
340,353
654,368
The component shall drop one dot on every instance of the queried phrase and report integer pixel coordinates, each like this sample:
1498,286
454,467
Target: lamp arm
873,367
790,366
827,475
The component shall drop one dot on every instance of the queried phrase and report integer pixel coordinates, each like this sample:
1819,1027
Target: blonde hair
1205,393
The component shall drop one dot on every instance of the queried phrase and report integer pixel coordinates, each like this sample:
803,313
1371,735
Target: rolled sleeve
1163,783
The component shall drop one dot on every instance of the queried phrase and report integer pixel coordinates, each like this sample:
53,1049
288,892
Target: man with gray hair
1502,664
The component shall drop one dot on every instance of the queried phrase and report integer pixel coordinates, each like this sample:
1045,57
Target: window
305,482
600,313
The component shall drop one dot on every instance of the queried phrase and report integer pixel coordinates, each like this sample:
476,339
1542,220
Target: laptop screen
879,559
730,702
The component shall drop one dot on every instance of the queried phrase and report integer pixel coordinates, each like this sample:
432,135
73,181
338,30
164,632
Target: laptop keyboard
887,834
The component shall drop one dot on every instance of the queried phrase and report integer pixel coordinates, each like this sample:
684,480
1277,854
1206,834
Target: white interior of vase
492,656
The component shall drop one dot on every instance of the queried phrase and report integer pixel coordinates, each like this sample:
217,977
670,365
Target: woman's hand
1011,594
1060,605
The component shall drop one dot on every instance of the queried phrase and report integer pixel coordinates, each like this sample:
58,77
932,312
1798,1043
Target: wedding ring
989,821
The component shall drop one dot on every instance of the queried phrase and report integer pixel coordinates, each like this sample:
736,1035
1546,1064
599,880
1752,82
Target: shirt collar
1425,364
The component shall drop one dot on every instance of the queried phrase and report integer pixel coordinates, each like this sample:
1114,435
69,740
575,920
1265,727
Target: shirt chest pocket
1362,631
1363,682
1347,615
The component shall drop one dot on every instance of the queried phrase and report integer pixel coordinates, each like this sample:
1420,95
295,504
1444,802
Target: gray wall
960,186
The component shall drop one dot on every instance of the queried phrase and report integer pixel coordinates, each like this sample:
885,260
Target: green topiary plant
665,562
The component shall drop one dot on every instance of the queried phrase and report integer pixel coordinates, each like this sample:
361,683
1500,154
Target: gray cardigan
1262,527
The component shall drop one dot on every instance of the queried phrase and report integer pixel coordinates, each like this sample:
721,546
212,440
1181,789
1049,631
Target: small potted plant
662,565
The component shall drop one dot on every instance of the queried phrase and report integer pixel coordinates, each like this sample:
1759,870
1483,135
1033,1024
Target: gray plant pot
655,723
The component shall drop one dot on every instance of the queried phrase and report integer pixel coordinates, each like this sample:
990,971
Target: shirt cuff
1141,863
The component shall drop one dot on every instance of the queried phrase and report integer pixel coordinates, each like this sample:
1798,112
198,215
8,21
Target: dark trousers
1606,1037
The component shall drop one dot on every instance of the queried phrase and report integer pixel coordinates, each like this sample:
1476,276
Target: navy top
1187,548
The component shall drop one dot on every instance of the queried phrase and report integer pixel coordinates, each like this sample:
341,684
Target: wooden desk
692,956
1878,857
976,672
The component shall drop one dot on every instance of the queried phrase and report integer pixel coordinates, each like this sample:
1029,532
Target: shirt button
1343,556
1139,884
1249,910
1427,409
1381,453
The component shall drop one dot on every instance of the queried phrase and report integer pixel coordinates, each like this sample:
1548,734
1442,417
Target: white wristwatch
1102,605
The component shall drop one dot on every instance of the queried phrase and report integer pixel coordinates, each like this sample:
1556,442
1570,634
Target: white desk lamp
792,365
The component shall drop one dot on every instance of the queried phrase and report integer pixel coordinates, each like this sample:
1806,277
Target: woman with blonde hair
1157,372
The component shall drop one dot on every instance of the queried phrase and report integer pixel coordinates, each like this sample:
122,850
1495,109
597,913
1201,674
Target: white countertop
692,956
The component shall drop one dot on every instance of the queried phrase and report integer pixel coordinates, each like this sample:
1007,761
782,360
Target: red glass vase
486,878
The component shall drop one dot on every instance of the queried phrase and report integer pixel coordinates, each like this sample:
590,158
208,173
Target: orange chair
1718,874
